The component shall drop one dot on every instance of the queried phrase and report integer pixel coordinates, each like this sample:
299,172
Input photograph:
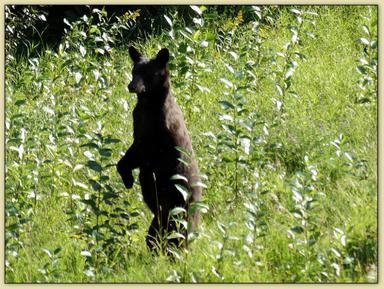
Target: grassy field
281,106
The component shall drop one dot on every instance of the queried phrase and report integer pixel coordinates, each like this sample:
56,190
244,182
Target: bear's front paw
128,181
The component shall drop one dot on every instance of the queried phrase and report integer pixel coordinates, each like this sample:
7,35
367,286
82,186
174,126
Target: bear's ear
135,55
163,56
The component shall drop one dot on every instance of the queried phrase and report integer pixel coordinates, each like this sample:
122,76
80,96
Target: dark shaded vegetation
281,106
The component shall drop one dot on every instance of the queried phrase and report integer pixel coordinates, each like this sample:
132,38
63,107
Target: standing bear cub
158,130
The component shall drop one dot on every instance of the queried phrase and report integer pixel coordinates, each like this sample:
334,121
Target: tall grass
282,112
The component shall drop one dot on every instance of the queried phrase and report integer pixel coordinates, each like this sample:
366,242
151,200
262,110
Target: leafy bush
281,105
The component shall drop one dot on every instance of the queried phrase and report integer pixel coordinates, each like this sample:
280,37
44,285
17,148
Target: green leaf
343,240
47,252
228,159
110,140
78,77
209,36
202,8
196,9
196,35
348,156
89,202
85,253
300,55
363,61
297,12
289,73
99,236
133,227
234,55
99,51
175,235
203,88
179,177
124,216
279,89
105,152
310,34
20,102
199,21
295,38
89,272
109,195
183,151
299,19
93,165
183,161
176,211
297,195
199,184
363,100
192,237
172,34
57,250
83,51
348,260
226,117
297,229
311,13
183,191
78,184
66,22
169,21
134,214
89,155
13,227
230,68
90,145
246,144
198,206
222,228
95,185
229,128
226,82
226,105
364,41
77,167
336,252
361,69
94,29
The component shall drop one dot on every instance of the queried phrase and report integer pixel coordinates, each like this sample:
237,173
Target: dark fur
159,127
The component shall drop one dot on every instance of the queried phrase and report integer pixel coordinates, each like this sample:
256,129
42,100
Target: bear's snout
136,85
131,87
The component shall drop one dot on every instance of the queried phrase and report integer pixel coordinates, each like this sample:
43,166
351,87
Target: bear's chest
150,130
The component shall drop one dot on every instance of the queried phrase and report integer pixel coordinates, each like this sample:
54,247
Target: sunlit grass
54,120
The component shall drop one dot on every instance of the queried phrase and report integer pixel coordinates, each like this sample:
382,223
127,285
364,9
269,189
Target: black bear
160,134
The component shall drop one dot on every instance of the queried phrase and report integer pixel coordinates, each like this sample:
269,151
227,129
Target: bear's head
149,75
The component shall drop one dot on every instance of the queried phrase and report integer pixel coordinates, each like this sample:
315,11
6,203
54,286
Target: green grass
305,210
